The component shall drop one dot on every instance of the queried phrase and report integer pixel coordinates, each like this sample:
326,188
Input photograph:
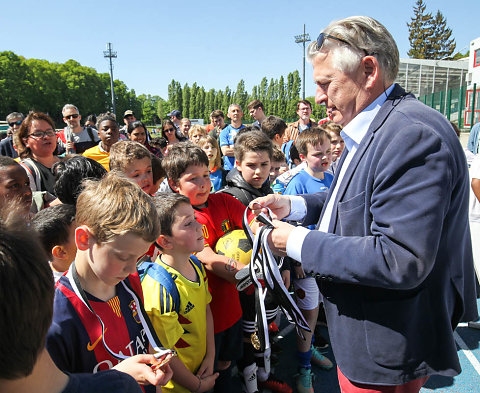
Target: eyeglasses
15,123
321,39
74,116
41,134
169,130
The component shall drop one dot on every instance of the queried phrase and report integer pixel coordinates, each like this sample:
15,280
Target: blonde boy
187,326
98,318
135,161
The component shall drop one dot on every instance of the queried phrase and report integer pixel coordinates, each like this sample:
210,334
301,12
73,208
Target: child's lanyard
77,288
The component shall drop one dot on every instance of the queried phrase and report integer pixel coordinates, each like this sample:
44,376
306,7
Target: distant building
473,79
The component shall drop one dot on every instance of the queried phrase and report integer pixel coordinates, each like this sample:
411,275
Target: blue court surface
468,345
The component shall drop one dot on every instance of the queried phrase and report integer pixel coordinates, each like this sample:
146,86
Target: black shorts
229,344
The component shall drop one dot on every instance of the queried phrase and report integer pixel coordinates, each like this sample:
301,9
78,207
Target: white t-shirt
474,203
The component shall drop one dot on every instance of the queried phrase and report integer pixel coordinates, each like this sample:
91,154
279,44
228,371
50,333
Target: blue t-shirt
227,136
304,183
216,179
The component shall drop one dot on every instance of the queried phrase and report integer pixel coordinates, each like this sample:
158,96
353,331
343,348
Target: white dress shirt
352,134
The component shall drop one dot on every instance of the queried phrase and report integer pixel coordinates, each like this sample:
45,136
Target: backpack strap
197,262
30,166
237,193
90,133
162,276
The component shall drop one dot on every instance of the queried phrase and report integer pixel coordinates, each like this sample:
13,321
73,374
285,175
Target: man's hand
278,204
277,239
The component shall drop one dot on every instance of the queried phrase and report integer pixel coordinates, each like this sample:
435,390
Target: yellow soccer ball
235,245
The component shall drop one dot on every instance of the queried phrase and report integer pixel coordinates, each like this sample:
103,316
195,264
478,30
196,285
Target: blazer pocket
351,216
399,332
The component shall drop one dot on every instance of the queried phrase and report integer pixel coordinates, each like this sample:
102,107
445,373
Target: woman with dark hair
137,132
170,133
36,142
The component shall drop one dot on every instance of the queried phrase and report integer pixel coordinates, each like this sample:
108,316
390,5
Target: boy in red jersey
186,166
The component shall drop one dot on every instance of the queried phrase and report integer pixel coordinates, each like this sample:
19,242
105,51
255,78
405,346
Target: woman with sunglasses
170,133
36,142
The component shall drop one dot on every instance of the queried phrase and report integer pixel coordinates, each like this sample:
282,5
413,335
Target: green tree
429,37
442,42
240,97
420,29
186,100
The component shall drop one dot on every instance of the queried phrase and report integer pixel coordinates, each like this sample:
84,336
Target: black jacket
240,189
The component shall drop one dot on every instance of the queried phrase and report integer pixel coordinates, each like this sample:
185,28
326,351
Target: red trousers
348,386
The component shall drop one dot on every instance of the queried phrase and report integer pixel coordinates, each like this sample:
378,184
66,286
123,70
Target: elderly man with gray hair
392,252
75,138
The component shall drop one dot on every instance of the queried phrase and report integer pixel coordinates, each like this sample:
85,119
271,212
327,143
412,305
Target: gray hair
365,35
15,115
232,105
69,106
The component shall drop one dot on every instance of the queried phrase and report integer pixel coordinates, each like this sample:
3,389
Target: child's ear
58,252
173,185
83,236
302,157
237,165
164,242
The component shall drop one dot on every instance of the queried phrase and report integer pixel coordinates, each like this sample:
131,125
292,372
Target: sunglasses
321,39
15,123
74,116
169,130
42,134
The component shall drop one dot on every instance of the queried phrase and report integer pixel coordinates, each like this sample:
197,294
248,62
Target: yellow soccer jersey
186,331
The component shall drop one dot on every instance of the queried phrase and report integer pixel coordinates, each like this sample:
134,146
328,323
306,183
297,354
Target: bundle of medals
263,268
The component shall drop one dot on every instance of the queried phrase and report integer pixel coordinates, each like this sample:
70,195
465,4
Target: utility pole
302,39
111,55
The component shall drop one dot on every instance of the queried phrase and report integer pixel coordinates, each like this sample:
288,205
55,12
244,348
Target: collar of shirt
354,131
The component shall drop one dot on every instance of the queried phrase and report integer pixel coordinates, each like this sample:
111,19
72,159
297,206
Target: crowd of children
136,269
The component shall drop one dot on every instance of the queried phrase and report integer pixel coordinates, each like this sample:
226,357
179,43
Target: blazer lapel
393,99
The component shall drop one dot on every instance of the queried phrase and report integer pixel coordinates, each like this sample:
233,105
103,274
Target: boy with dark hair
228,134
187,171
14,185
109,133
69,176
55,226
274,127
279,165
134,161
218,119
25,365
257,111
177,297
99,318
247,181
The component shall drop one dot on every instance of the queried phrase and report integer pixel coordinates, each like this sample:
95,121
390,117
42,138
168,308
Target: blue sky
214,43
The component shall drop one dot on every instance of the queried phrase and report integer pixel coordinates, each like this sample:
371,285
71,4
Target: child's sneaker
304,380
275,385
319,360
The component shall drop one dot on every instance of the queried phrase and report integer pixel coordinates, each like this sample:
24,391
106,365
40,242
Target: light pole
111,55
302,39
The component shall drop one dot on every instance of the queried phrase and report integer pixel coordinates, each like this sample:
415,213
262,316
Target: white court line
470,356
